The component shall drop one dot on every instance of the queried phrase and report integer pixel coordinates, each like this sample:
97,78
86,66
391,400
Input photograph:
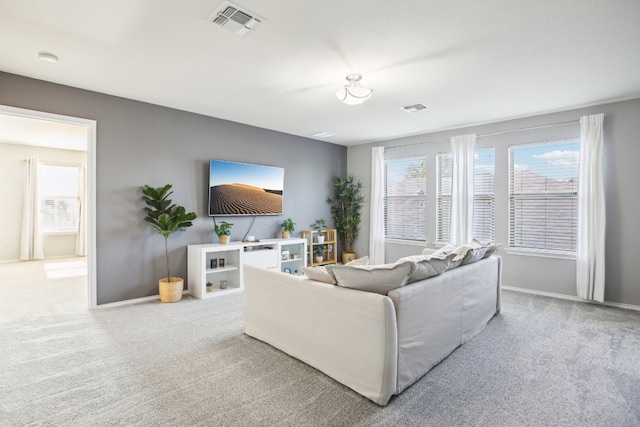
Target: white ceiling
471,61
21,130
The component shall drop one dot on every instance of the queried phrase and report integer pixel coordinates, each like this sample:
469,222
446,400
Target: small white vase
320,239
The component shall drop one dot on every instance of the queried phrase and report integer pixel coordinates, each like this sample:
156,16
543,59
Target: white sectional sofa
376,344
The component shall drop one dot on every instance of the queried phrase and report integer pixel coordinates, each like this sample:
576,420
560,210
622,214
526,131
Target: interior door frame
91,126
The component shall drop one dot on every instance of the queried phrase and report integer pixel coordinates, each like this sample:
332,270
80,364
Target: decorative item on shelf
166,218
288,227
223,284
345,210
213,263
287,270
284,255
221,262
318,253
319,226
209,287
223,230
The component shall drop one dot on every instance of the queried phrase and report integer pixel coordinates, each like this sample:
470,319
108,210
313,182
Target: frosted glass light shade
352,93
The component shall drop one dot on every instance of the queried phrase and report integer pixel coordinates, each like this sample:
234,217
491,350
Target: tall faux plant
163,216
345,209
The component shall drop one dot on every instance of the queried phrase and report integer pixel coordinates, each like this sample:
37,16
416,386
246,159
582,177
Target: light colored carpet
542,361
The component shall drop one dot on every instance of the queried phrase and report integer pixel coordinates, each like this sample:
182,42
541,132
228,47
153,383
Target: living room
147,141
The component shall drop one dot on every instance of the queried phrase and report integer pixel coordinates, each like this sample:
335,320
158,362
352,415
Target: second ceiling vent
236,19
415,108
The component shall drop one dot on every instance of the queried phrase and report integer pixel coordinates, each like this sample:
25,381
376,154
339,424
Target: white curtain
31,244
591,211
376,229
81,237
462,147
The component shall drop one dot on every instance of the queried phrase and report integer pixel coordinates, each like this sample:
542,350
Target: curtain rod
483,135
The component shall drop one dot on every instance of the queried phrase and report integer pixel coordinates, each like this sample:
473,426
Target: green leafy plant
223,229
319,225
345,209
288,225
165,217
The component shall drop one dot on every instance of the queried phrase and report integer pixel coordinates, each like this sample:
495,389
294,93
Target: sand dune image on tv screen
242,199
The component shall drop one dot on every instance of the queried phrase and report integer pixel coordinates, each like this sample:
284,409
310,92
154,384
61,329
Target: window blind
405,198
543,195
483,195
59,208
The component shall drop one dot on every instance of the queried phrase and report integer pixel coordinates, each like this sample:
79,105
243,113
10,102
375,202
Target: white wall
622,154
11,187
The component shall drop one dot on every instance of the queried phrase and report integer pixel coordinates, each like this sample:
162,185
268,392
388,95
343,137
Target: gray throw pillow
372,278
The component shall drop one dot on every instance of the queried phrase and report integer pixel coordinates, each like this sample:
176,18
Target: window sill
406,242
60,233
541,253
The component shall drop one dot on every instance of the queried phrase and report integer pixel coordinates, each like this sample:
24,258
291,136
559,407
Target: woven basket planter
171,289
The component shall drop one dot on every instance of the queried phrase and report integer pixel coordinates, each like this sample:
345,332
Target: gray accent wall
140,143
622,175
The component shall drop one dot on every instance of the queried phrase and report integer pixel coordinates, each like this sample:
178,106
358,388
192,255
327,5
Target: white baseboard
572,298
132,301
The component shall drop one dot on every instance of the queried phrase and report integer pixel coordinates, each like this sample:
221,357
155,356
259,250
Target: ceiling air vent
236,19
415,108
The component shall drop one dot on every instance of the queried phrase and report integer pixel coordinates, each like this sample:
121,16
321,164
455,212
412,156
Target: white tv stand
266,253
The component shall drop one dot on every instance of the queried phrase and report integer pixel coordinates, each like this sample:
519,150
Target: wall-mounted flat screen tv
244,189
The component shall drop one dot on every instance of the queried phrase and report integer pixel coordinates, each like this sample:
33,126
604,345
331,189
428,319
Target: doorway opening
65,141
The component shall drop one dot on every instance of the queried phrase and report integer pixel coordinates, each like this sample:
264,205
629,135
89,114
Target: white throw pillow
442,252
318,274
372,278
360,261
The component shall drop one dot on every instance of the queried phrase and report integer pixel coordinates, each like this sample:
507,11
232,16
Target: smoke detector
236,18
415,108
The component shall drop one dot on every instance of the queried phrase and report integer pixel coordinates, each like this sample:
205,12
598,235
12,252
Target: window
405,198
483,195
543,195
59,198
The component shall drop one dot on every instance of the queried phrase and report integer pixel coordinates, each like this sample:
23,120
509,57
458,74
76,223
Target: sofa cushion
373,278
318,274
427,266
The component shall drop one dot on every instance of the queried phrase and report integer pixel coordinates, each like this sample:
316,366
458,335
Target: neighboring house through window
405,198
543,196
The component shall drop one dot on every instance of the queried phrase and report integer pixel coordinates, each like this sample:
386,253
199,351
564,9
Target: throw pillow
360,261
372,278
318,274
442,252
427,266
472,254
491,247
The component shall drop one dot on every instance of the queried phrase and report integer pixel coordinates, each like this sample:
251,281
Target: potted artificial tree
345,210
166,218
319,226
223,230
287,228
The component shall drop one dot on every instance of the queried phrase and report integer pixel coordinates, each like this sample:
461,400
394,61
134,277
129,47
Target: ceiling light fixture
352,93
47,57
